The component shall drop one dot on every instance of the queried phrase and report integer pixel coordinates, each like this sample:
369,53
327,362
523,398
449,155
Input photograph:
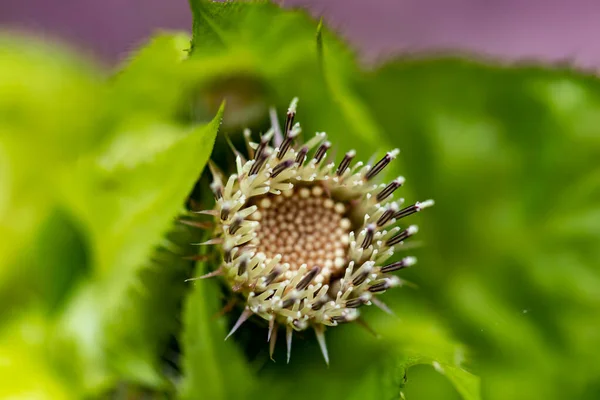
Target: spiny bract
306,241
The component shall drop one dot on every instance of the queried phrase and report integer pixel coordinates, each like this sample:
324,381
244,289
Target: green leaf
127,197
339,73
155,83
467,384
54,262
149,314
510,156
233,47
48,102
417,338
213,368
366,367
92,174
129,194
26,373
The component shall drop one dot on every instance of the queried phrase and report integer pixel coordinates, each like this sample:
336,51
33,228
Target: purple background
546,30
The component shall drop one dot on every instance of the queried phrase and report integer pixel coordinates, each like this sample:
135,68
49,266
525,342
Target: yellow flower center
305,226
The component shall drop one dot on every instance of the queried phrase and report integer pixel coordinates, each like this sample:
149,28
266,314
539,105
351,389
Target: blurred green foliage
95,169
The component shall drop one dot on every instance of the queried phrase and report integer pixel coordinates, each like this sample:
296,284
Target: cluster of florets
306,241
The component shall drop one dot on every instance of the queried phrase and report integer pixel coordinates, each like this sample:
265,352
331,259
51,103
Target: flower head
306,241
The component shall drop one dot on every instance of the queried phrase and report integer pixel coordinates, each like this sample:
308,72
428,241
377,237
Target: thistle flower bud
306,242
